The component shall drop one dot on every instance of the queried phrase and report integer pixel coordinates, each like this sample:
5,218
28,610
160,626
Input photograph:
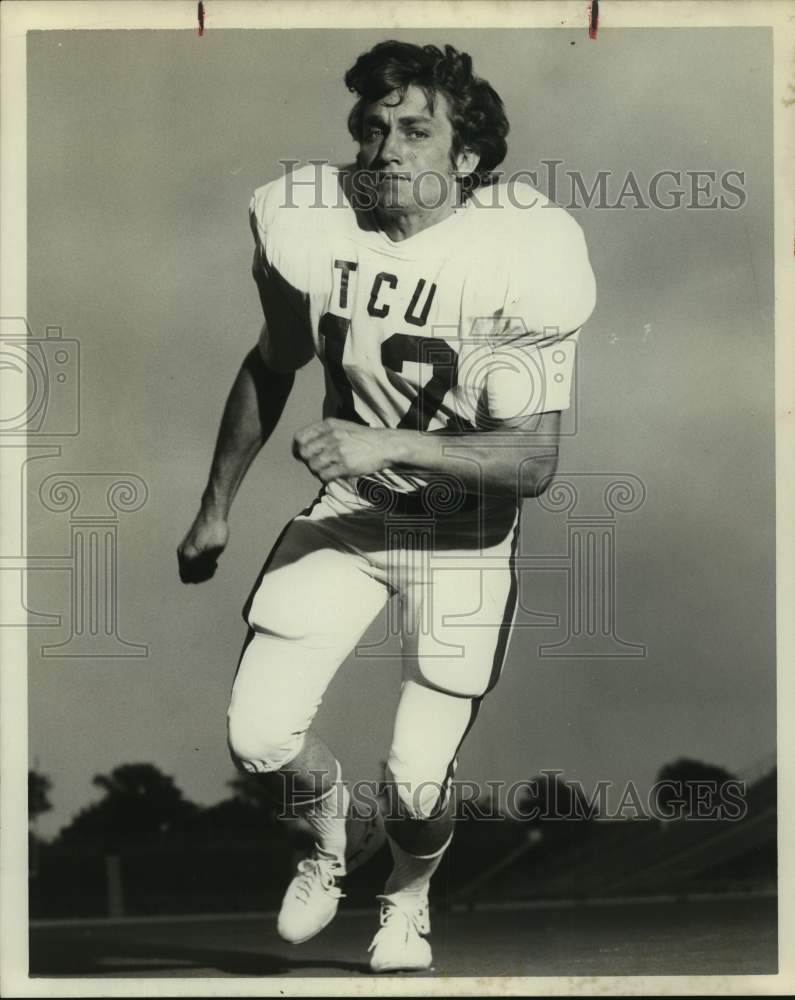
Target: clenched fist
199,550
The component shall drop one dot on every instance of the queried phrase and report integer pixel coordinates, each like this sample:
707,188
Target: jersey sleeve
550,292
286,338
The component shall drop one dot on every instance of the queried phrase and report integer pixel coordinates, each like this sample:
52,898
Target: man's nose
391,149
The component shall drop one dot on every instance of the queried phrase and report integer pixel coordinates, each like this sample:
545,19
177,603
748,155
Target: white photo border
17,18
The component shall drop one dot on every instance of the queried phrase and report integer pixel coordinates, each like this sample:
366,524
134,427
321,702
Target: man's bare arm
253,409
255,404
517,461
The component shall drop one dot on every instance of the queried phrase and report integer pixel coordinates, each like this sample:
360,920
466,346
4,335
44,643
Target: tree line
141,804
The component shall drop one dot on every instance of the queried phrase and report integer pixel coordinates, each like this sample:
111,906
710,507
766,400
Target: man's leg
311,786
429,727
299,635
453,653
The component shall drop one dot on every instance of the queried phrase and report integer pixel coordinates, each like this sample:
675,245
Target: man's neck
399,226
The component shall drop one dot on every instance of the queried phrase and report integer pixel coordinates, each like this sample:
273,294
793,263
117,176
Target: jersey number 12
395,351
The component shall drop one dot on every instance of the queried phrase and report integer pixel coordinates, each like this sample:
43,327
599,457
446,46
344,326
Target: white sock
411,873
326,818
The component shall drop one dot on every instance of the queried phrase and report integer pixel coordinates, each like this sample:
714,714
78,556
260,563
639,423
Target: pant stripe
507,617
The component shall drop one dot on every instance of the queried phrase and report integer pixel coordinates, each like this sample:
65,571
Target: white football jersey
469,324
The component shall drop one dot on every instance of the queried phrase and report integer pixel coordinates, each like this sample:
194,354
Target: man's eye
374,133
416,133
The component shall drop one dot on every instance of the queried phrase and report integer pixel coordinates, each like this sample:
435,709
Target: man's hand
338,449
199,550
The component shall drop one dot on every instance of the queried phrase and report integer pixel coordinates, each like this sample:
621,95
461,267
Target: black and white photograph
397,511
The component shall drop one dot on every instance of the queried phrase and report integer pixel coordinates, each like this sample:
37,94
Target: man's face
408,147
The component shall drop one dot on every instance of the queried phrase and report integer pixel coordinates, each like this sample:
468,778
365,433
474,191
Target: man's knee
415,790
259,746
471,678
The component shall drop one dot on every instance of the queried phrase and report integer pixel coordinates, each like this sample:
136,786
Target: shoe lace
394,911
319,868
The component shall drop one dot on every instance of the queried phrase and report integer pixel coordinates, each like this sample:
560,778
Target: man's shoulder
533,252
520,219
309,195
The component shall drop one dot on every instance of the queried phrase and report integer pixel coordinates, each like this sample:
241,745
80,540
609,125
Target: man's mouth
390,176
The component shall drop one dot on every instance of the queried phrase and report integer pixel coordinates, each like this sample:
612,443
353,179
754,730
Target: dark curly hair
475,108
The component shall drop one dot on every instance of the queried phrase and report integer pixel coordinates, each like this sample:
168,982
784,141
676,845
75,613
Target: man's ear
467,161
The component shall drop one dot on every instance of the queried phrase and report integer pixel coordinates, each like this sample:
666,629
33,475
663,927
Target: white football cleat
312,897
399,946
364,836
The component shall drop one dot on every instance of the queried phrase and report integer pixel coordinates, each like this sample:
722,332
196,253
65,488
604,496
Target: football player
445,309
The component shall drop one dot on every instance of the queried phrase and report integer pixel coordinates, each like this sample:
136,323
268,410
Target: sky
143,151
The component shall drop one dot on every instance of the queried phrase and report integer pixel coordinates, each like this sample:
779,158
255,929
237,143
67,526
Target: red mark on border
200,13
593,18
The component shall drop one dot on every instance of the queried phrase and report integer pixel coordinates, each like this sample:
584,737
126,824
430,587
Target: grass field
698,937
